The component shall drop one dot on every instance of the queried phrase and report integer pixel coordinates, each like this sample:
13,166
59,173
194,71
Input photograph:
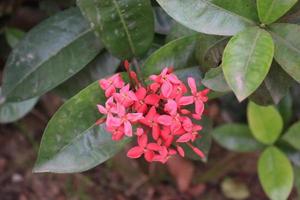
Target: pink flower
150,120
125,119
109,85
143,148
143,100
199,97
192,131
158,113
126,97
166,80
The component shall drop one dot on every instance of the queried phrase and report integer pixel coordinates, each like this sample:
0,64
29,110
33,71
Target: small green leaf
287,48
214,79
49,54
200,15
177,54
271,10
236,137
72,142
125,27
275,173
246,61
10,112
265,122
13,36
292,136
102,66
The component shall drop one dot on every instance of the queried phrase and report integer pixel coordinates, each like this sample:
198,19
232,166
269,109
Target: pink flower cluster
156,114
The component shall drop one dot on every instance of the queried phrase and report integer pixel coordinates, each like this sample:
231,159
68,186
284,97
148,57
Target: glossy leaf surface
246,61
271,10
275,173
265,122
49,54
126,27
210,17
72,142
287,48
236,137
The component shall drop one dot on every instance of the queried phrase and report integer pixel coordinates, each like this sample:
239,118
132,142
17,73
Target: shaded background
227,175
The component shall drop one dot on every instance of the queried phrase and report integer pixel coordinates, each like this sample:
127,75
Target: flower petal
166,89
184,138
186,100
165,120
192,85
135,152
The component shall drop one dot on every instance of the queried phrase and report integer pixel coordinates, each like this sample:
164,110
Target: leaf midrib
44,61
130,42
252,51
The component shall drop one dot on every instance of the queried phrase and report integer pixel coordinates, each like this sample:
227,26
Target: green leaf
236,137
10,112
271,10
178,31
261,96
177,54
292,136
265,122
246,61
49,54
277,82
210,50
72,142
297,178
126,27
103,65
287,48
214,79
275,173
13,36
285,108
200,15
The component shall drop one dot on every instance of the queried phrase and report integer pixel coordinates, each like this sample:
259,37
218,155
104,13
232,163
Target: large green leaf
214,79
177,54
265,122
72,142
287,48
49,54
292,136
217,17
126,27
246,61
103,65
236,137
10,112
275,173
271,10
